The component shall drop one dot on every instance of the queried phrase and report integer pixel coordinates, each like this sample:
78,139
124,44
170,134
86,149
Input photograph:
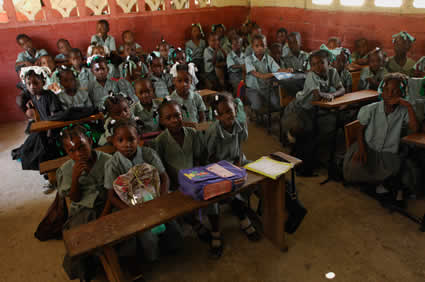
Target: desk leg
274,211
111,265
332,170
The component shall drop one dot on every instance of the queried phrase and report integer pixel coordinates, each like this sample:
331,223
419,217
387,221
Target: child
162,82
128,39
195,47
375,157
371,76
400,62
64,48
131,70
82,180
180,59
214,63
360,56
30,55
102,38
51,81
224,42
72,95
236,63
191,101
259,69
146,110
255,30
341,62
117,107
164,51
281,37
100,87
78,66
296,59
322,82
125,139
333,43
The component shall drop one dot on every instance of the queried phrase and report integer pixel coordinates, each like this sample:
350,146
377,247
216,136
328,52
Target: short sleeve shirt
265,65
346,79
208,56
296,62
193,104
161,84
108,42
150,121
26,56
80,99
234,59
197,50
99,93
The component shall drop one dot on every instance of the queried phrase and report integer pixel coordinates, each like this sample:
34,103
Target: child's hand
78,169
360,156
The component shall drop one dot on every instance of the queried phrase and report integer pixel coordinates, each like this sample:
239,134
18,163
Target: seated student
126,139
128,39
341,62
259,69
76,60
64,48
214,63
296,59
82,180
161,81
100,87
360,56
333,43
131,69
322,82
30,55
102,38
72,95
179,56
164,51
276,54
375,158
281,37
191,102
195,47
52,82
236,63
224,42
146,109
400,62
117,107
371,76
103,51
255,30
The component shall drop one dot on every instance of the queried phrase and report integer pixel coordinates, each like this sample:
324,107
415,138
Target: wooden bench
45,125
351,131
100,235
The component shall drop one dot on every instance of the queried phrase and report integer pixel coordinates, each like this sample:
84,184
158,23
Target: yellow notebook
269,167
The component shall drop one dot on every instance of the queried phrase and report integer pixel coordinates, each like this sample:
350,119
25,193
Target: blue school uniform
26,56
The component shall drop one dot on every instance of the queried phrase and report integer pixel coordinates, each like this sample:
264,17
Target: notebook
269,167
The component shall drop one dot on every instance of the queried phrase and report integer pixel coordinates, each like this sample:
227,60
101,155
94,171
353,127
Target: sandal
249,230
216,245
203,233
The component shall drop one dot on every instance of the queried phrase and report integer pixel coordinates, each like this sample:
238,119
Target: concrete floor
345,232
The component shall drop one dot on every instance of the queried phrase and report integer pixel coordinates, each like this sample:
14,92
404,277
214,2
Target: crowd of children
142,92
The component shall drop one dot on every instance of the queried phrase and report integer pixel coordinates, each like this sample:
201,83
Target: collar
176,95
256,59
221,132
138,156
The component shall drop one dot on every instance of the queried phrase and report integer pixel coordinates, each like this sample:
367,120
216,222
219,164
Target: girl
82,180
72,95
360,56
371,76
102,38
322,82
146,109
162,82
400,62
180,59
64,48
128,38
214,63
343,59
131,70
52,82
282,37
100,87
126,138
190,100
76,60
224,42
195,47
375,157
236,63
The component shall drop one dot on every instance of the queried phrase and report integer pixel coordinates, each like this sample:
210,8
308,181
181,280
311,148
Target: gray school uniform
145,69
235,75
79,100
298,63
208,56
193,104
83,76
161,84
151,123
407,69
99,93
26,56
225,44
346,79
127,88
382,139
367,73
285,50
197,50
415,98
259,89
108,42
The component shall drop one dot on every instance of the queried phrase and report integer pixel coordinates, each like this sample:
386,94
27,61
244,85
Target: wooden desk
348,99
203,125
206,92
355,67
417,139
45,125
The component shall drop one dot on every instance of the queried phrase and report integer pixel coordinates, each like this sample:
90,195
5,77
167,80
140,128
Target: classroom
212,140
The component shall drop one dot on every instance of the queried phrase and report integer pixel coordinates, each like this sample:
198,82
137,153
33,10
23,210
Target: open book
269,167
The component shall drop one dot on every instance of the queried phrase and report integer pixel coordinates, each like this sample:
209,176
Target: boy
30,55
281,37
296,58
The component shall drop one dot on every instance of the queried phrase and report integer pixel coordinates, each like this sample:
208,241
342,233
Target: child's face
100,71
213,41
375,62
128,37
182,83
171,118
293,45
98,50
144,92
276,53
362,48
126,140
120,111
34,84
102,29
47,61
220,32
332,44
226,114
78,148
196,33
236,44
68,81
401,46
319,66
281,37
25,43
75,59
157,67
340,62
130,49
259,47
391,92
64,48
256,31
180,57
163,50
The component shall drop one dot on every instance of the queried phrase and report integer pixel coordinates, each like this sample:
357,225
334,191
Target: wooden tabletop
417,139
45,125
206,92
348,99
355,67
203,125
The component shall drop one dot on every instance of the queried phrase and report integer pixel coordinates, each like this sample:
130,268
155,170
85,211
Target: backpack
206,182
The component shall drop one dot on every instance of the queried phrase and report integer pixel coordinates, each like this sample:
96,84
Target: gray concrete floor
345,232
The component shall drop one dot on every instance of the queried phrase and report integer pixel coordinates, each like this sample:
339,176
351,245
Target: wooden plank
355,80
112,228
355,67
45,125
206,92
348,99
417,139
203,125
351,131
